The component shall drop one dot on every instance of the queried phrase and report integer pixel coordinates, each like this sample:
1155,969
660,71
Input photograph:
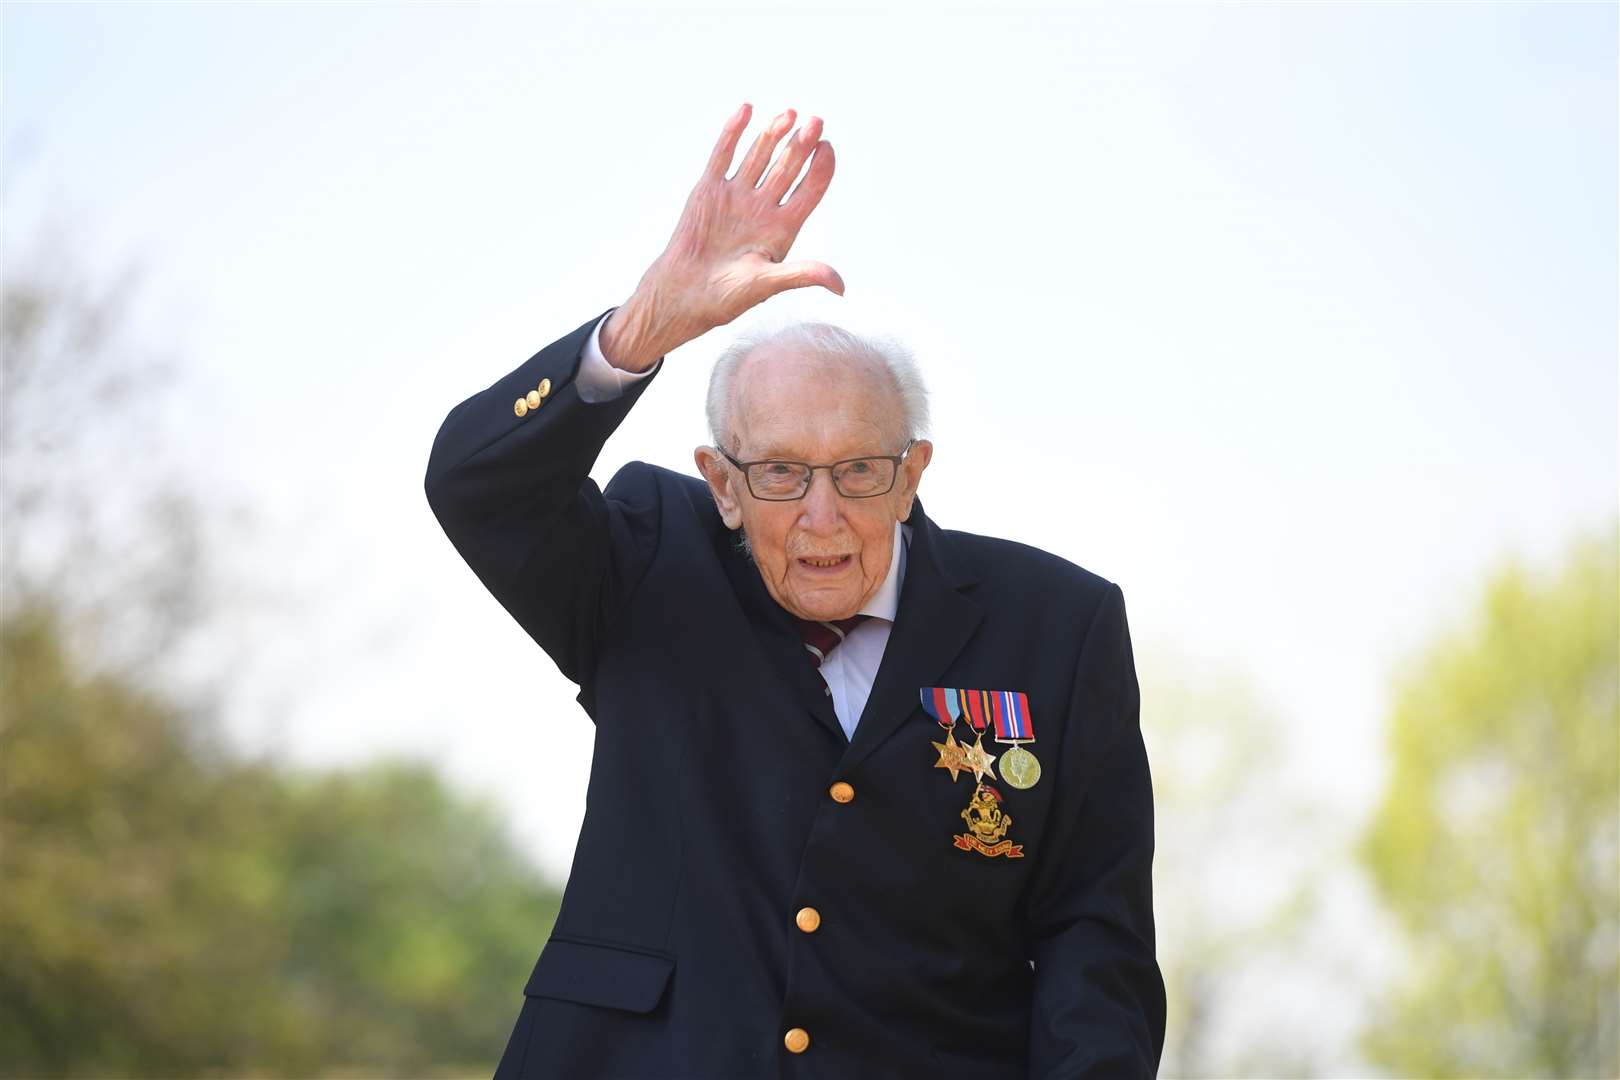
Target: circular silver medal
1019,768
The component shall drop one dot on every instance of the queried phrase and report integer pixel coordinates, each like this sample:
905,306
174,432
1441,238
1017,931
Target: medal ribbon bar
943,704
1013,723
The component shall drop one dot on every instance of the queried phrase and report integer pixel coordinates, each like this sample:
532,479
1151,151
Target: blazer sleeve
1099,1004
514,495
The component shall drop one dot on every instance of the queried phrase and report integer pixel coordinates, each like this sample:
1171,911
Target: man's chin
824,606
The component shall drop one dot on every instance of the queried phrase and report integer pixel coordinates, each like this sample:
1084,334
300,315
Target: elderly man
869,797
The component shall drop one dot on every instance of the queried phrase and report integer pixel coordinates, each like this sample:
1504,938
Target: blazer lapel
934,621
778,639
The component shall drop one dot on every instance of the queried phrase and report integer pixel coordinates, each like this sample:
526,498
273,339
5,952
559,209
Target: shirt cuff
598,380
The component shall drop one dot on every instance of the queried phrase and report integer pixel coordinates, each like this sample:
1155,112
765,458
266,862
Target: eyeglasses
854,478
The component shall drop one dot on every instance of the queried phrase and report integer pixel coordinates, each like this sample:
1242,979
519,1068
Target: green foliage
166,909
1497,844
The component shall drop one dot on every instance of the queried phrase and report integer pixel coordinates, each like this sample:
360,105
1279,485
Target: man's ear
713,468
911,470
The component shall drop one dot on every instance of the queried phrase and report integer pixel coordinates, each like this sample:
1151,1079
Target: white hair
888,356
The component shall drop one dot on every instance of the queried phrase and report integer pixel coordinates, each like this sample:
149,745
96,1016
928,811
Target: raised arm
509,481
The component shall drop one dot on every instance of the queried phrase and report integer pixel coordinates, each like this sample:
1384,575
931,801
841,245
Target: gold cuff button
521,407
840,792
545,388
533,399
808,919
797,1040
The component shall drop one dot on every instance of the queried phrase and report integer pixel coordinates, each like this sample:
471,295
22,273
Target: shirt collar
886,601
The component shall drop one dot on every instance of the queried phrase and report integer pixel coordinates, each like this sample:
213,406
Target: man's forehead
776,363
790,401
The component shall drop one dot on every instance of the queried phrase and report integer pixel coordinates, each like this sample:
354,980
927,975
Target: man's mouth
824,562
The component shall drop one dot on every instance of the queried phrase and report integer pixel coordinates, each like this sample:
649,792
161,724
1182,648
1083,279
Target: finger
726,148
760,154
786,169
813,186
781,277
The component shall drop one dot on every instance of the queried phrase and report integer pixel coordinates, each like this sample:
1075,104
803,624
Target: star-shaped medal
978,759
952,756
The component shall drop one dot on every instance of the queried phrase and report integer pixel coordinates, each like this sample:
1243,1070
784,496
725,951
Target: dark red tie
821,638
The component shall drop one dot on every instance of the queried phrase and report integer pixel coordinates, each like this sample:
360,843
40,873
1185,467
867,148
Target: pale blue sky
1292,320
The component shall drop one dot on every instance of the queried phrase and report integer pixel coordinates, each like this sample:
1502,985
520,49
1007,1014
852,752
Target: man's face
825,555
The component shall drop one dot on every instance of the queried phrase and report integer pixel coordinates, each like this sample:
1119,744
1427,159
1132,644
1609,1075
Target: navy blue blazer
725,799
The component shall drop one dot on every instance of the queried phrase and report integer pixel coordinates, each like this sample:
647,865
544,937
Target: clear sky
1292,320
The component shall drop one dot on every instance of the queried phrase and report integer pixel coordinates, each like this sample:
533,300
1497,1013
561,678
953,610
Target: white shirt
852,667
599,380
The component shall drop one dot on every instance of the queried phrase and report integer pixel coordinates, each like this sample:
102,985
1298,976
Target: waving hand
729,248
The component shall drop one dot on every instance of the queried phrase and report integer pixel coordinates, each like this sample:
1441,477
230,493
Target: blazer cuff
600,381
563,420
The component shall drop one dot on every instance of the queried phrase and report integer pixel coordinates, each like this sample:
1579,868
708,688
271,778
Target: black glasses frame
893,459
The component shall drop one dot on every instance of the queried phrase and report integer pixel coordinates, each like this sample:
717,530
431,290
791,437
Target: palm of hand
728,250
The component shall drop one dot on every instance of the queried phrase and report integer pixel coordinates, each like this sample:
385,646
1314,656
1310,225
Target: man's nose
820,509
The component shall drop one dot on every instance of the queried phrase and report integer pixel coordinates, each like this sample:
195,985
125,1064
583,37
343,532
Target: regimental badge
987,826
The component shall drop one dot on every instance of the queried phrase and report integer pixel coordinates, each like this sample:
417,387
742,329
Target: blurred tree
138,916
97,520
167,910
1497,844
167,906
1238,859
412,920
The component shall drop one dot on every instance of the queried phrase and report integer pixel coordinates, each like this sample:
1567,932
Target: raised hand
728,250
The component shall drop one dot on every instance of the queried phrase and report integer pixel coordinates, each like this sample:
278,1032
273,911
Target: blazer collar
934,621
936,618
776,635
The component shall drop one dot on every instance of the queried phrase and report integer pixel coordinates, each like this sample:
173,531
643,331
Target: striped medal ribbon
1010,713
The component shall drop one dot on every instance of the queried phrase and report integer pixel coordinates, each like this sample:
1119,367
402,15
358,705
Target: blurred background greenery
168,905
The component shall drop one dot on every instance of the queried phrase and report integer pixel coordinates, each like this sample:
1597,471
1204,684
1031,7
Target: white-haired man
869,797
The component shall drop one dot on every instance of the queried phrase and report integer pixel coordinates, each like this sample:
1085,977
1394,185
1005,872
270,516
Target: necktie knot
822,637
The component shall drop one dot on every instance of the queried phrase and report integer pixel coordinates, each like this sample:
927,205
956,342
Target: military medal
944,706
951,757
976,707
1010,709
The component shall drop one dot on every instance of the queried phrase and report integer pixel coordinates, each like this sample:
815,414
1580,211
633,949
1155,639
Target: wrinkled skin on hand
728,249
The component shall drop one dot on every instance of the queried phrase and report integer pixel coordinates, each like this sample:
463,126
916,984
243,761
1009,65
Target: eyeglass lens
860,478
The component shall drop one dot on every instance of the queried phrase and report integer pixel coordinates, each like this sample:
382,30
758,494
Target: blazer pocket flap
592,973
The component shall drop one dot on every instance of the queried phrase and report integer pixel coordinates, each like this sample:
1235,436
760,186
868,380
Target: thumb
781,277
